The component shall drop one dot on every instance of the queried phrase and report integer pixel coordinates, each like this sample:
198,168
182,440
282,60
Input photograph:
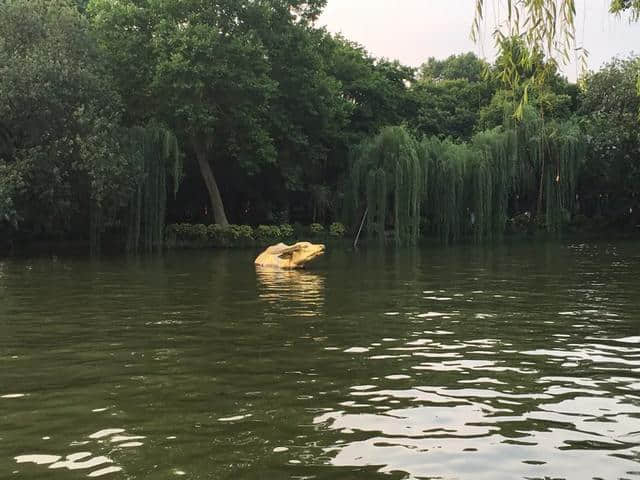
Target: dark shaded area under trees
118,118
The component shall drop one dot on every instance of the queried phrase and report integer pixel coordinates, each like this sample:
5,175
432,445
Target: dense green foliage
67,160
187,235
609,113
469,188
450,96
388,174
159,157
117,118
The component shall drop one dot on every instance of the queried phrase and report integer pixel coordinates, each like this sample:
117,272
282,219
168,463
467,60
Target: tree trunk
217,206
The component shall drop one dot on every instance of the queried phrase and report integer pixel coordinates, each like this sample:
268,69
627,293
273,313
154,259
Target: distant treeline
118,118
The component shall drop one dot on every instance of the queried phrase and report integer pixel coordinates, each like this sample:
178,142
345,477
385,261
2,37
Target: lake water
513,361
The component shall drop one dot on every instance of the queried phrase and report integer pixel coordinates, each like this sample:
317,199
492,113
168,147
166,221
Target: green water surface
504,362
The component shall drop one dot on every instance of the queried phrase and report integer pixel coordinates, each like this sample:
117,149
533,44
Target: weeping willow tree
548,156
446,164
130,192
491,180
561,149
387,179
159,158
469,189
469,185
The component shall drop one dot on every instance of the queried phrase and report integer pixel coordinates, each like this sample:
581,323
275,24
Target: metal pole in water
355,242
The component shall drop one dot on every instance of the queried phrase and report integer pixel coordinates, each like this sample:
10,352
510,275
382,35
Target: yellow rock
289,256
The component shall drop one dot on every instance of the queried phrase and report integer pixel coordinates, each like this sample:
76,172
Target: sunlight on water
86,460
492,422
234,419
38,459
106,432
104,471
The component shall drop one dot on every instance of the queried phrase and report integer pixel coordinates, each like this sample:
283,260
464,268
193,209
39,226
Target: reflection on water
466,363
531,426
96,465
294,292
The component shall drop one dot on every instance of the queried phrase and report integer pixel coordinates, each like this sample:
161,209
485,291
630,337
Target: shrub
239,235
185,235
268,233
286,231
316,229
230,235
245,232
216,233
337,230
196,233
185,232
522,219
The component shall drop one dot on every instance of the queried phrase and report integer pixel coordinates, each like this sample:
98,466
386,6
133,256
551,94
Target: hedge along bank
186,235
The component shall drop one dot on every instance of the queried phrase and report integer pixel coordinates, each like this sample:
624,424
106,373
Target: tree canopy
117,117
60,119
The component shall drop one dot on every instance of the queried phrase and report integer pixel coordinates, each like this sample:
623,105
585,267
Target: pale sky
414,30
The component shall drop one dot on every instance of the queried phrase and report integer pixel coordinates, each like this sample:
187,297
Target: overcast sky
414,30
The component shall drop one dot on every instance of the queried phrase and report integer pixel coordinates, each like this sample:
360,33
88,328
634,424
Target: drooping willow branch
388,174
160,159
450,190
546,28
